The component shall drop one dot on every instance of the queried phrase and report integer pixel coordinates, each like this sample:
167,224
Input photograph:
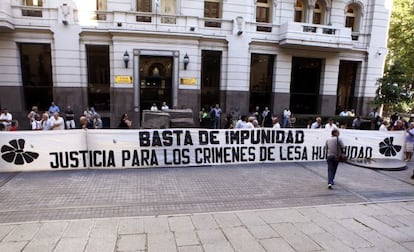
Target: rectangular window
168,7
263,11
32,12
262,14
317,17
144,6
349,22
38,3
298,15
212,10
101,5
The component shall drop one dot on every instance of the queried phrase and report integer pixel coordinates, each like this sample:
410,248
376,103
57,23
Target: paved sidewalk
383,226
265,207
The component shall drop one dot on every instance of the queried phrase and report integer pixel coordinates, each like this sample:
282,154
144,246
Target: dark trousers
332,167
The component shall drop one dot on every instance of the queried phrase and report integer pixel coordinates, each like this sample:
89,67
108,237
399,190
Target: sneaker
329,186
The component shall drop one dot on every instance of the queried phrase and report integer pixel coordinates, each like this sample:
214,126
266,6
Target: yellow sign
123,79
188,81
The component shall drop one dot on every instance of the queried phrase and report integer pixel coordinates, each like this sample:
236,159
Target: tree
395,88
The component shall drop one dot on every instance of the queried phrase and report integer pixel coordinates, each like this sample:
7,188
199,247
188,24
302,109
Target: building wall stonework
69,28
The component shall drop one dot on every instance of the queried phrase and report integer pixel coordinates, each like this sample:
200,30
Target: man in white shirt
330,125
57,122
276,124
317,124
154,107
241,123
384,126
164,106
286,117
249,124
6,118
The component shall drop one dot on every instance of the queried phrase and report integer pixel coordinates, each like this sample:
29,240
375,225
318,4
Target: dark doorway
304,87
346,85
210,78
155,80
261,79
98,77
36,67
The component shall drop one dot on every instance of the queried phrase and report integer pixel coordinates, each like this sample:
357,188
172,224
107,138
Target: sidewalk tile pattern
382,226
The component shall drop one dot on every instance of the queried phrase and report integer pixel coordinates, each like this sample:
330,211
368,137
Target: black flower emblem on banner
388,149
14,153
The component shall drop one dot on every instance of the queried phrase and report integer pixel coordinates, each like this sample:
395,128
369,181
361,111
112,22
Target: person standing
276,124
53,108
125,123
241,123
97,121
356,123
164,106
46,124
70,118
203,118
154,107
330,125
6,119
399,125
217,116
267,118
409,143
384,126
334,148
32,114
317,124
57,122
37,123
286,117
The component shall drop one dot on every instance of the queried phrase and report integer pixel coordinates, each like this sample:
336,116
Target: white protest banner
114,149
37,150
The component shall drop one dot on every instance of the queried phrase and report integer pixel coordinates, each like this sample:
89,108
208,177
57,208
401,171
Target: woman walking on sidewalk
334,147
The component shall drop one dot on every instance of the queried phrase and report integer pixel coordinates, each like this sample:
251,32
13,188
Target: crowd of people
235,120
55,119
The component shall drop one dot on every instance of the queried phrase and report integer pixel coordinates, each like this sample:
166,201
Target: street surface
260,207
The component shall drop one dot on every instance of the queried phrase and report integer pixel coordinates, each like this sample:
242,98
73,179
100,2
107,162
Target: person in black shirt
70,118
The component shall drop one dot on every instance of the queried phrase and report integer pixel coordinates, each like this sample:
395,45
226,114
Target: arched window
352,14
318,13
299,11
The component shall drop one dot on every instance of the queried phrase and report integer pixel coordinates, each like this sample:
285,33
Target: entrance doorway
155,74
304,86
346,85
210,78
261,78
98,77
36,70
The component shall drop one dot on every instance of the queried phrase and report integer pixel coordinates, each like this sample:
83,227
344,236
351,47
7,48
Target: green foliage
395,88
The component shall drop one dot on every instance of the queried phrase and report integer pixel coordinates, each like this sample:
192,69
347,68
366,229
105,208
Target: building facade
119,56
